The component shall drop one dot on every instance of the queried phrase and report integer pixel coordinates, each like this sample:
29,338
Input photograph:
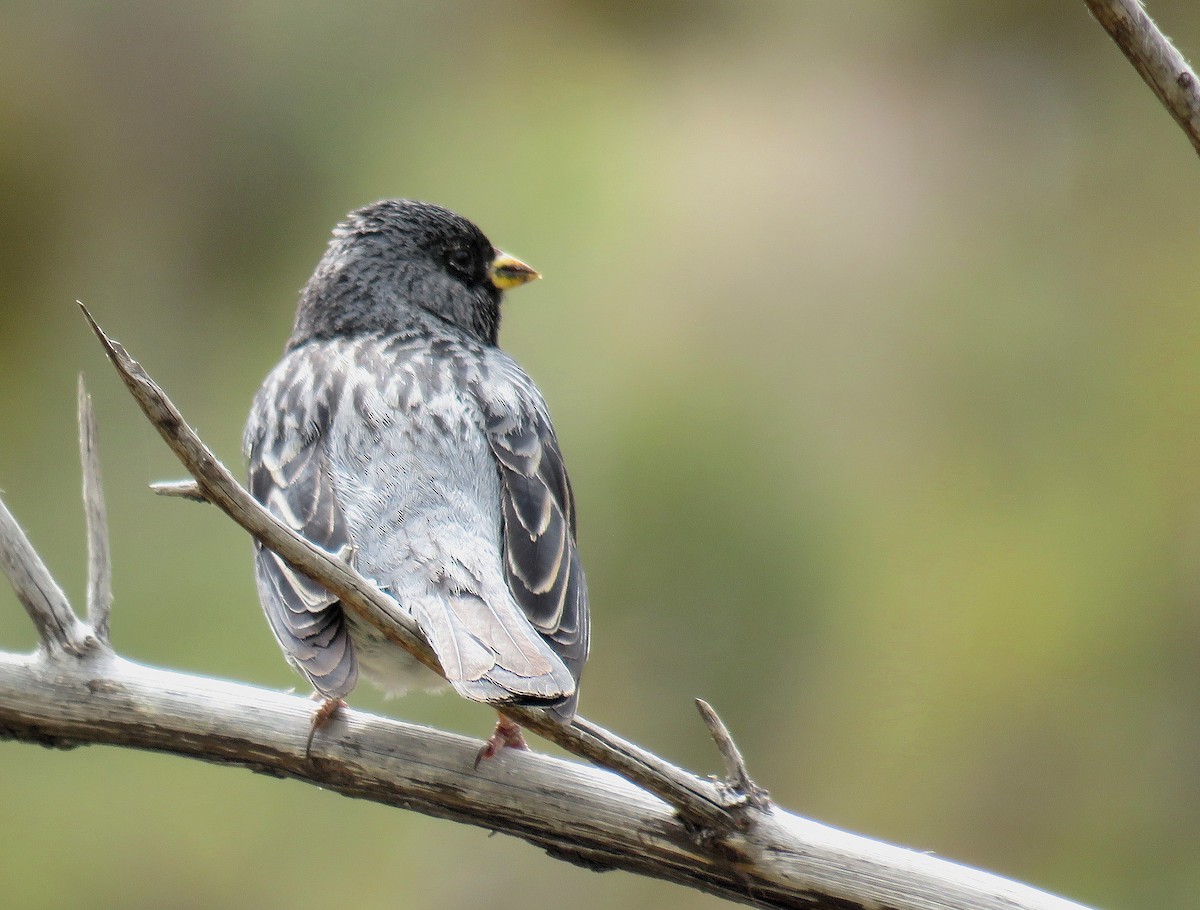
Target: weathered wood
580,814
57,625
75,691
696,800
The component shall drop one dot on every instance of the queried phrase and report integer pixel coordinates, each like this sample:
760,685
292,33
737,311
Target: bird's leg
322,716
507,735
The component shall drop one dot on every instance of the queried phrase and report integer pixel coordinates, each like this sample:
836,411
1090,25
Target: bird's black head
392,257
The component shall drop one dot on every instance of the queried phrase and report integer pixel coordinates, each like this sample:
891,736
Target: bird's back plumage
425,456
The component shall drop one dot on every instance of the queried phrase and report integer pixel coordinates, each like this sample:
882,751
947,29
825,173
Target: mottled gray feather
289,474
394,430
411,458
541,559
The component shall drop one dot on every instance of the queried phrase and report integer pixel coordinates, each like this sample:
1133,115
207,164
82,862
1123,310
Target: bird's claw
507,735
328,708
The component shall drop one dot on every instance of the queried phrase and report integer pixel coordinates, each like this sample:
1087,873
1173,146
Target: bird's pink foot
321,717
506,736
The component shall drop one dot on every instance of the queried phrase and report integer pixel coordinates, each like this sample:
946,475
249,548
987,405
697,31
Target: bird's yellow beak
509,272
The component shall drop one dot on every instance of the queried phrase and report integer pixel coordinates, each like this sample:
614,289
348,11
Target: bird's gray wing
287,448
541,559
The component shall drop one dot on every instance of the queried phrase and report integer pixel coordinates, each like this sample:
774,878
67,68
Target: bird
395,433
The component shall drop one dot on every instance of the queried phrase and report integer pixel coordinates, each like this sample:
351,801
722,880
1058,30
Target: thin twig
58,627
1153,55
738,778
217,485
695,799
99,587
179,489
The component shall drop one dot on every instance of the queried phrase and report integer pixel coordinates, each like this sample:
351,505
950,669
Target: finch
396,434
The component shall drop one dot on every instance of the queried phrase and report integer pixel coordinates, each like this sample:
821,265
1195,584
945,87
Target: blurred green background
871,335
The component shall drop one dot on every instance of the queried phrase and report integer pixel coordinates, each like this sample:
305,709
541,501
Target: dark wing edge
289,475
541,559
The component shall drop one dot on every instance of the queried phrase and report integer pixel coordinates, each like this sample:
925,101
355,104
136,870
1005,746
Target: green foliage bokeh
871,335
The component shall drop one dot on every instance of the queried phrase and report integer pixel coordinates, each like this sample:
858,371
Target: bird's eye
459,260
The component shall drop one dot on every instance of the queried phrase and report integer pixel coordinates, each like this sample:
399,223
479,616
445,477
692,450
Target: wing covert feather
286,446
541,559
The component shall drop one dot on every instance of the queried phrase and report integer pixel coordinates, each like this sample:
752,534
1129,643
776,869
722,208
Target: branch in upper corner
99,589
1153,55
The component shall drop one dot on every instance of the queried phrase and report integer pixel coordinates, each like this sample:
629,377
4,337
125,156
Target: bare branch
99,589
1162,67
58,626
696,800
737,774
749,851
586,816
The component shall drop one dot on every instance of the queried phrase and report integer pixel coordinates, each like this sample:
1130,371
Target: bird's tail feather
489,654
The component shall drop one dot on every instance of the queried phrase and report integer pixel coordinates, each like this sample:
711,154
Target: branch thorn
737,776
99,585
